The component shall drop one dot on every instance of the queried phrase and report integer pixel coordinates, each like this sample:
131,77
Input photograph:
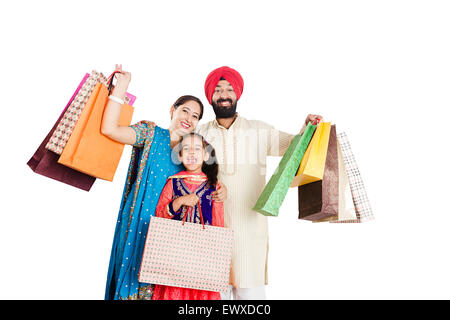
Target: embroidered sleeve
170,211
165,199
143,129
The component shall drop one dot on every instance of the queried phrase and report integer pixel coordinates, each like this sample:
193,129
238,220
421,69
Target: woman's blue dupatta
148,171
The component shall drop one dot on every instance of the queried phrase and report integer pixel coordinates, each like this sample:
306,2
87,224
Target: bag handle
200,211
109,82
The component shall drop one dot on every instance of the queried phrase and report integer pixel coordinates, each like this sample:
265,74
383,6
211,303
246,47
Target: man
241,149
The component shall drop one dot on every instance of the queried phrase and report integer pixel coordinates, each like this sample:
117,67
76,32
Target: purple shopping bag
45,162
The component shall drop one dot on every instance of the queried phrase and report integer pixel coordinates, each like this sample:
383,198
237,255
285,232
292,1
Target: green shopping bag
270,200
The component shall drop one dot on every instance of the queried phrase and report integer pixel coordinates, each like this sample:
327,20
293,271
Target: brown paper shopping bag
359,203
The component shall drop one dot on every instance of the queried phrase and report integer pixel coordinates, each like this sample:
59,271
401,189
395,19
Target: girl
183,193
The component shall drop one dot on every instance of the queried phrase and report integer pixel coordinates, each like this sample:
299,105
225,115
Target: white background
379,70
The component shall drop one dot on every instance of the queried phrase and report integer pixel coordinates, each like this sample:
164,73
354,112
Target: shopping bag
313,163
346,212
87,149
66,125
320,199
271,198
346,206
359,196
187,255
45,162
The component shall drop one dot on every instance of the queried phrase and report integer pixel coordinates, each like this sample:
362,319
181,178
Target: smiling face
224,100
185,117
192,153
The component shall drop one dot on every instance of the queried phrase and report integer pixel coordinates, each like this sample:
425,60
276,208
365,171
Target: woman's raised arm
110,123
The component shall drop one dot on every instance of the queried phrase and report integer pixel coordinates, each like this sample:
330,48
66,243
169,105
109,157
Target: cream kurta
241,152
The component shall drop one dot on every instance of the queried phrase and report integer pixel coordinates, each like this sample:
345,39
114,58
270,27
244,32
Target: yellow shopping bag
312,165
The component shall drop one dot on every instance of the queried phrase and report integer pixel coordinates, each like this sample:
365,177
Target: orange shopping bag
87,149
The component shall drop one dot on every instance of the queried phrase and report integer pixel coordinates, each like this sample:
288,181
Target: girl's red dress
192,181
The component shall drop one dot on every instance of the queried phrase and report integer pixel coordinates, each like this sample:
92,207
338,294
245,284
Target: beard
224,112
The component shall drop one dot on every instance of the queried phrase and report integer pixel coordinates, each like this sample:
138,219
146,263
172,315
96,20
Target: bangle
115,99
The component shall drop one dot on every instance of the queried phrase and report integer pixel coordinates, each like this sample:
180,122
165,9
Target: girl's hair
183,99
210,167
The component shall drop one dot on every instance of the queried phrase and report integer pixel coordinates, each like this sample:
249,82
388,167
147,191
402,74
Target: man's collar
218,125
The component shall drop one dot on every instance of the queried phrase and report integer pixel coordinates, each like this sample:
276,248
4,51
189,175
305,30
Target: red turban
229,74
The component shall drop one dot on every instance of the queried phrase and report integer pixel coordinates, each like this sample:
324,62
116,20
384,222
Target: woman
150,166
